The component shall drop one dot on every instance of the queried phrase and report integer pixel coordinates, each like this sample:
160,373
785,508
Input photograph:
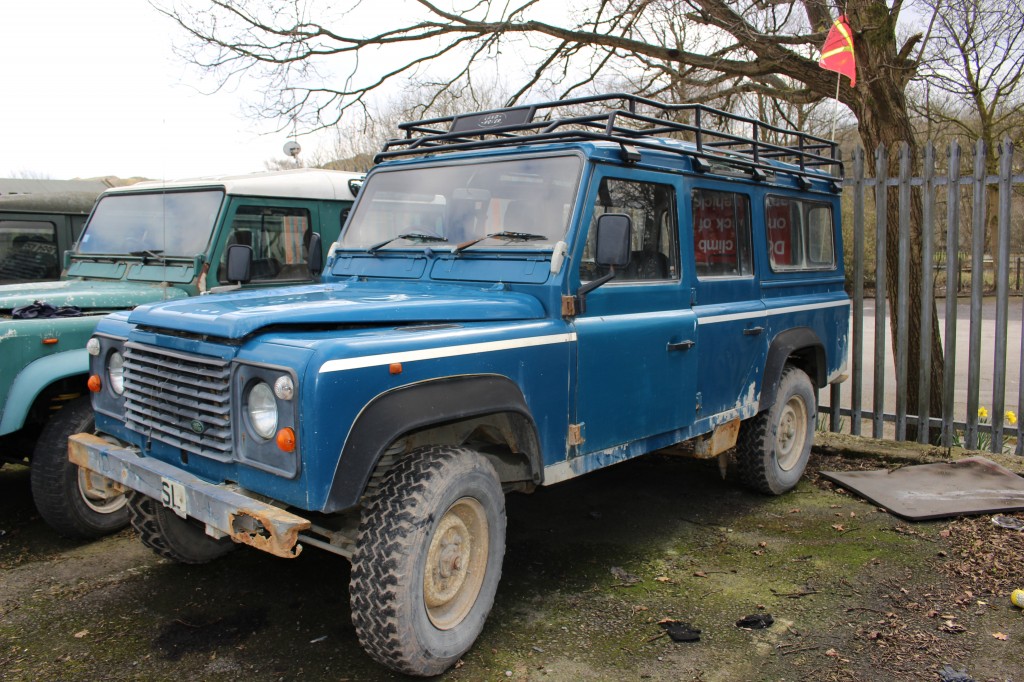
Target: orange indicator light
286,439
94,383
395,368
50,341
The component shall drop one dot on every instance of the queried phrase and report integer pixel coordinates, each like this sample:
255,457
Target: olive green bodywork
43,362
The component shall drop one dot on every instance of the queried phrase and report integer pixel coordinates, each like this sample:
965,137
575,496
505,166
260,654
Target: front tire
428,560
76,502
773,447
171,536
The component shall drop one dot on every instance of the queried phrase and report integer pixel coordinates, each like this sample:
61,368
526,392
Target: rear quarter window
28,250
799,234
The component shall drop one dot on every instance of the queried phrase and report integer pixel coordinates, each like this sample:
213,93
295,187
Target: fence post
881,206
857,365
952,266
1002,295
924,366
977,286
903,293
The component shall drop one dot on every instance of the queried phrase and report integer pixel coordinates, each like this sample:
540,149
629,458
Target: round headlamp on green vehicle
261,406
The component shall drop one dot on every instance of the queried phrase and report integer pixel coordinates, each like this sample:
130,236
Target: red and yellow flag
837,53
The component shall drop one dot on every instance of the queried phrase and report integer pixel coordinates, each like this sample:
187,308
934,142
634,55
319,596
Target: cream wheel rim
456,563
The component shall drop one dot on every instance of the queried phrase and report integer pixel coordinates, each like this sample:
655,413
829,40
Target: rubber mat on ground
931,491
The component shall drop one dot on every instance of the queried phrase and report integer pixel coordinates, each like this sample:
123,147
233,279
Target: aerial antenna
292,149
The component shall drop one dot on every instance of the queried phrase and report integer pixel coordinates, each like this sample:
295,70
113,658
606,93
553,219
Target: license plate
172,494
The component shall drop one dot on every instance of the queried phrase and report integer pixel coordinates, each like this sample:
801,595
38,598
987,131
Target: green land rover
148,242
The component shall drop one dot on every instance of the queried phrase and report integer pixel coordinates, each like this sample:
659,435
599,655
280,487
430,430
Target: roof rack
630,121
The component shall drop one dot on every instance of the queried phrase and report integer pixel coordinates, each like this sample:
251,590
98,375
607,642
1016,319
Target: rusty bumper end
224,509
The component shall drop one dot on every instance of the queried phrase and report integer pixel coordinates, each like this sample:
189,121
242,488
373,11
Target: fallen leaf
794,510
1001,636
663,579
832,653
944,533
762,544
700,574
81,633
838,527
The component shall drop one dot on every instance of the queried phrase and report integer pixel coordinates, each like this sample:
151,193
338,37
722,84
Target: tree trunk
879,102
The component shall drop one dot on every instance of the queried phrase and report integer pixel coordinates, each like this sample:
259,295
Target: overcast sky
91,88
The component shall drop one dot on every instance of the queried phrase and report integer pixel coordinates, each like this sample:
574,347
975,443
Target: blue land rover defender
519,296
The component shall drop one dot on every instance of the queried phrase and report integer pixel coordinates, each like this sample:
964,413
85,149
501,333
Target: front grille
179,398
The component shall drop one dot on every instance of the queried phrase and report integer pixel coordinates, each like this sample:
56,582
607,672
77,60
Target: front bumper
225,510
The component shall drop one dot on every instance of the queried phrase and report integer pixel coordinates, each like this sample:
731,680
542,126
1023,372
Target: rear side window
721,233
28,251
799,234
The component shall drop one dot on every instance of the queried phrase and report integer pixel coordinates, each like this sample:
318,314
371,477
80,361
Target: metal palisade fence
972,244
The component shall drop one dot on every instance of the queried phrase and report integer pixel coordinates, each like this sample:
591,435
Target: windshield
444,206
169,223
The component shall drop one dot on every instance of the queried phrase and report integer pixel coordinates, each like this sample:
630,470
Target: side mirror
614,236
316,254
614,233
239,268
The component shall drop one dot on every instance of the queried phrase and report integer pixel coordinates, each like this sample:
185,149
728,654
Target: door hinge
568,306
699,398
576,434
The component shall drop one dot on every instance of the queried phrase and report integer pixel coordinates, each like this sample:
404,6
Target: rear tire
773,447
171,536
77,503
428,560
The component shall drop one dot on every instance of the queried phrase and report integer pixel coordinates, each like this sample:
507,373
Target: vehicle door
635,368
277,231
731,318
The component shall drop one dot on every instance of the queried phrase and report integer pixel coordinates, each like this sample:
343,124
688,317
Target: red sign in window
779,218
715,218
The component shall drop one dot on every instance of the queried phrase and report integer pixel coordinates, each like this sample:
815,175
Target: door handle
753,331
682,345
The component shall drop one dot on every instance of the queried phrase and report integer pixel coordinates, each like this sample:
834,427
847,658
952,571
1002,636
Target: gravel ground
595,569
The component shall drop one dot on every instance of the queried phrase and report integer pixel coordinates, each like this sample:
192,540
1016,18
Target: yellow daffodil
982,413
1011,418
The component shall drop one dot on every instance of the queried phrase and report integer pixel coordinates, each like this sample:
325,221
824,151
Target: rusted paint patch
721,439
271,530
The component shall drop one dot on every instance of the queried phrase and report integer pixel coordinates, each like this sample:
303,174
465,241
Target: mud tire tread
54,478
387,533
755,465
159,529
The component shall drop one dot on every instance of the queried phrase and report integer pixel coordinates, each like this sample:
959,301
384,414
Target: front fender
417,406
34,379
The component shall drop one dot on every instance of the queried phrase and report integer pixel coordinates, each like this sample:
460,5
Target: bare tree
972,74
677,50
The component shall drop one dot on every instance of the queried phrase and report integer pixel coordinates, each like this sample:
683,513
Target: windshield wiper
507,236
410,236
147,254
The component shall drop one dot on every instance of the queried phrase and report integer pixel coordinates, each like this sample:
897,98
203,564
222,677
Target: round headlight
262,408
92,346
284,388
115,372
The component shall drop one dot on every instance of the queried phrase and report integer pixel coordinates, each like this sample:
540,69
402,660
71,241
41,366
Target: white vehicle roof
301,183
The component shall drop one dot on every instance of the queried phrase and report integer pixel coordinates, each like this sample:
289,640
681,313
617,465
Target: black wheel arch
799,346
418,406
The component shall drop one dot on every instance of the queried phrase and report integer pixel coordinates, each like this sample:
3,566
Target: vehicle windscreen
526,202
166,223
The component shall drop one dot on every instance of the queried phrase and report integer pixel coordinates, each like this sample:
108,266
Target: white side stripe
443,352
711,319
